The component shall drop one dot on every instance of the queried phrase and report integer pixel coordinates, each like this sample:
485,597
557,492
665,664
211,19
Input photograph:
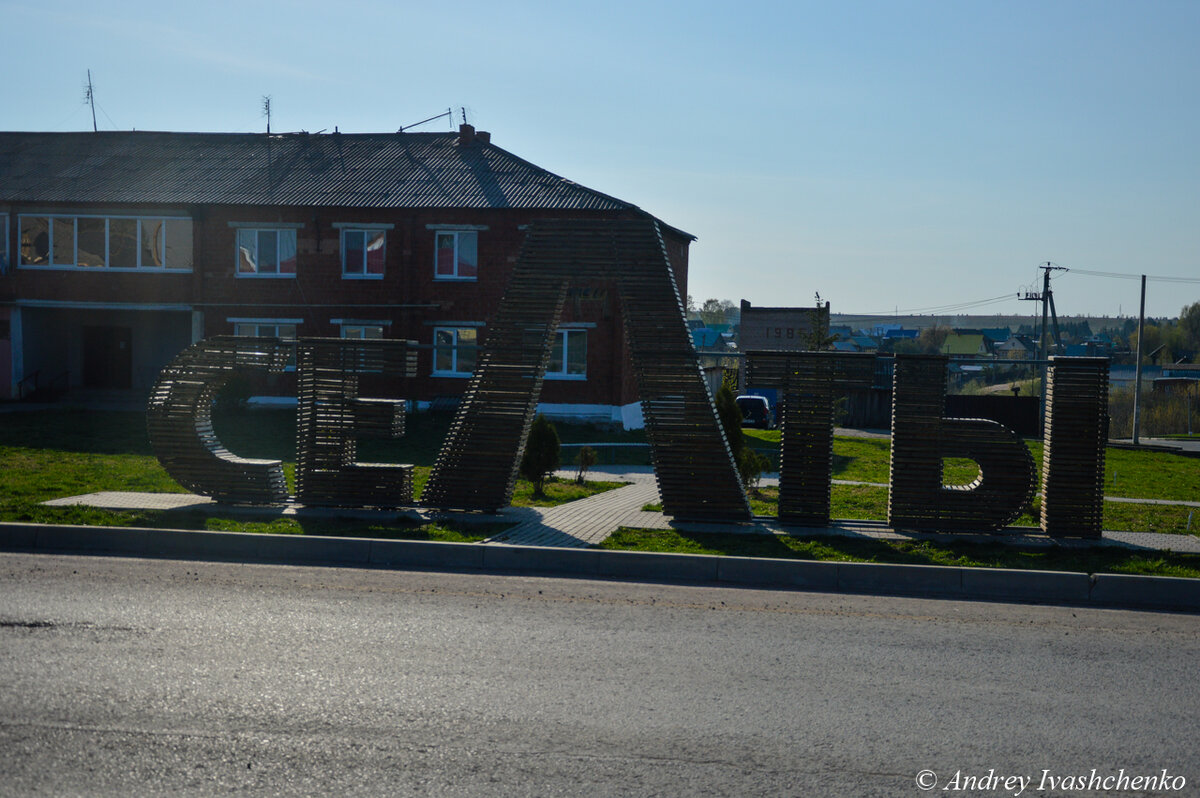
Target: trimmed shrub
542,457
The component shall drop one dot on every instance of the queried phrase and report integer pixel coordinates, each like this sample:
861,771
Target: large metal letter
807,383
477,465
332,416
179,420
1073,448
921,438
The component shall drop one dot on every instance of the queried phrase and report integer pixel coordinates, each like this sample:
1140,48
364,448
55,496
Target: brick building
121,248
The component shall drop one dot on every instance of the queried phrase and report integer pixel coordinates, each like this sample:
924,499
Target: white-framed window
363,331
266,252
568,358
266,329
143,243
454,351
284,329
456,255
363,252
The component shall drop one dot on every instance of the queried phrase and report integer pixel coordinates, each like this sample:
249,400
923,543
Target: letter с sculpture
331,417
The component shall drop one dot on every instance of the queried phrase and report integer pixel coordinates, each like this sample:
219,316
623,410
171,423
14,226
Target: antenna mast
90,97
266,109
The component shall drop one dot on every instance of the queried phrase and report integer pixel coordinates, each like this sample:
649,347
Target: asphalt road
122,677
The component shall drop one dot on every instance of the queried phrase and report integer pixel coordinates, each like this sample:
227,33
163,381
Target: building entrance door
107,357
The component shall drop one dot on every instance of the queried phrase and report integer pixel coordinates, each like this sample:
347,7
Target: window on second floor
113,242
363,252
568,358
454,350
457,255
266,252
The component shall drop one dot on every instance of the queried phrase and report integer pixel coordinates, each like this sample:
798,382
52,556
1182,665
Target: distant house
865,343
1124,376
1016,347
708,339
1179,377
997,334
966,345
1090,348
883,330
126,247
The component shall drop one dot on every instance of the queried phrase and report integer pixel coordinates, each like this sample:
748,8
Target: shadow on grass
265,522
909,552
77,430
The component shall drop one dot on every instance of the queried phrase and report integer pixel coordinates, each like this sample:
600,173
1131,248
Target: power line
1123,276
946,309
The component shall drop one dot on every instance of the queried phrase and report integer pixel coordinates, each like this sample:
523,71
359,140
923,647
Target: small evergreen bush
542,457
587,459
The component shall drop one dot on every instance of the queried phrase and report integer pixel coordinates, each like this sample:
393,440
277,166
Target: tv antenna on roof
266,109
447,113
89,97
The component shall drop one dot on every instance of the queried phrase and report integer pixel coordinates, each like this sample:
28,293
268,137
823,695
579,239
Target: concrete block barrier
179,544
1047,587
803,574
925,580
100,540
426,554
1149,592
1008,584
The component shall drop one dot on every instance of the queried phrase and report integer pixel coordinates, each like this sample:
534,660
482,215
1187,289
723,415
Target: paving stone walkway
588,521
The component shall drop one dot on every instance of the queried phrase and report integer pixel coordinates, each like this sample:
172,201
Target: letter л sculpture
477,465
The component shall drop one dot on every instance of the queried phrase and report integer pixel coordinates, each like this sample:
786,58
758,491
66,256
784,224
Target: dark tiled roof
376,170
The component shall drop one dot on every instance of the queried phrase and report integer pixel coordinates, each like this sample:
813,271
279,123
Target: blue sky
890,155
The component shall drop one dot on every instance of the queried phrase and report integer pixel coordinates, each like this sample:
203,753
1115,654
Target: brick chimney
484,137
466,133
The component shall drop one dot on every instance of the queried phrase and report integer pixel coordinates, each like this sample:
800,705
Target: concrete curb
986,584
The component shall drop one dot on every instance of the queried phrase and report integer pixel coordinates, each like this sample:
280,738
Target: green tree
750,464
541,458
1189,325
931,339
715,311
731,419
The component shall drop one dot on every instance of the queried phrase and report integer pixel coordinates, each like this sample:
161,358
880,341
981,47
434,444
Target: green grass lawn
57,453
1128,474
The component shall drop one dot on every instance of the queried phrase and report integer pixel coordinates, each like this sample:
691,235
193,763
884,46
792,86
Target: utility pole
1137,370
1046,297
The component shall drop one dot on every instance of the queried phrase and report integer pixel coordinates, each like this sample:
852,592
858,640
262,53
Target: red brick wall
407,296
